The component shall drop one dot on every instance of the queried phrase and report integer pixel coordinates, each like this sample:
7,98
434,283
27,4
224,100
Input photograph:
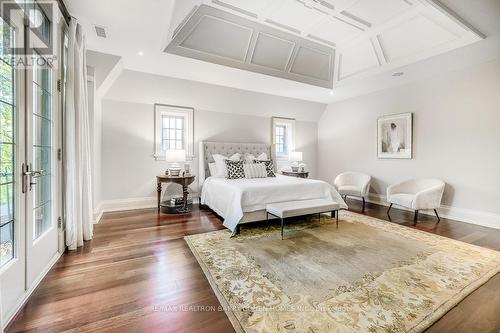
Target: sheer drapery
78,180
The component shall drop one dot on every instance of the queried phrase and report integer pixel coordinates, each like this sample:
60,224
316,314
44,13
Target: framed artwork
395,136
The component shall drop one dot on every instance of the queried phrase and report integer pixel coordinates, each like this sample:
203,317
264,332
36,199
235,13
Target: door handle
31,174
35,174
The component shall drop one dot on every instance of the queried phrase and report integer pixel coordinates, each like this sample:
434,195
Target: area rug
368,275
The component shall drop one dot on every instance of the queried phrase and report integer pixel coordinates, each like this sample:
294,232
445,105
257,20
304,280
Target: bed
240,201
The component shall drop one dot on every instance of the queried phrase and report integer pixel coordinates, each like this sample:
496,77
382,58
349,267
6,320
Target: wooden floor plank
138,269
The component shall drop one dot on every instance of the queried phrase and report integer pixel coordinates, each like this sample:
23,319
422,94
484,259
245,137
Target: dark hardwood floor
138,269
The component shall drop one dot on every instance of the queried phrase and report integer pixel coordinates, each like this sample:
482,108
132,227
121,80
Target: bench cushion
302,208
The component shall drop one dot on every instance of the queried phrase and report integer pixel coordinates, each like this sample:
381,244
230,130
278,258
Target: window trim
179,111
289,123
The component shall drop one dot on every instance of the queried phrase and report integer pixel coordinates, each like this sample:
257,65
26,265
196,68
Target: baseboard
476,217
108,206
28,293
98,215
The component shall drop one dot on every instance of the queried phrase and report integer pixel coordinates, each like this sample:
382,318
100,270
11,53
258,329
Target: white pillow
220,165
213,169
262,157
249,158
255,170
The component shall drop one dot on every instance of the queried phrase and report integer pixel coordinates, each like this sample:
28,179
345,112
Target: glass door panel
7,150
42,150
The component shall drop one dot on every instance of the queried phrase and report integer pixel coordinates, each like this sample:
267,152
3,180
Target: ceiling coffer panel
232,42
216,36
272,52
311,62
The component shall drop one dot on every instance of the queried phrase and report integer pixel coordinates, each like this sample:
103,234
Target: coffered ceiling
319,42
139,31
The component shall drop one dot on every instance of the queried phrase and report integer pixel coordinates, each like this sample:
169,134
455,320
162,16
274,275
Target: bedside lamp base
174,172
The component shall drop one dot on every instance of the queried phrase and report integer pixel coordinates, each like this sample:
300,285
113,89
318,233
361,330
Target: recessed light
331,92
140,53
398,74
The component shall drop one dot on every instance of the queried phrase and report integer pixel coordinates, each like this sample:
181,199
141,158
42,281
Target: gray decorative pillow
269,167
235,169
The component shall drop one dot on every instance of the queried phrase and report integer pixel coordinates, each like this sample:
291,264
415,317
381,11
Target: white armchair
354,184
417,195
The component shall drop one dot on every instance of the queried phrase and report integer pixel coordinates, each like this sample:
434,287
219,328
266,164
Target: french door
12,156
40,170
30,170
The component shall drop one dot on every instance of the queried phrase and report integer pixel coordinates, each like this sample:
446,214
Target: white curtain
78,180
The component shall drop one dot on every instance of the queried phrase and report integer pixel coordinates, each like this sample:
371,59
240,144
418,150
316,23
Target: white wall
145,88
221,114
456,138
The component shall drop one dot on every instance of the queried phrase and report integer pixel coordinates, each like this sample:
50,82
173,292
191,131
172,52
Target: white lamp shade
175,156
295,156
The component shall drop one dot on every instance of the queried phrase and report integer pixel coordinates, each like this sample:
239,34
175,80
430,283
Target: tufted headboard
207,149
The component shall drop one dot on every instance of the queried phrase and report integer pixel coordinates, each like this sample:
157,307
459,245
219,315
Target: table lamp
175,157
295,157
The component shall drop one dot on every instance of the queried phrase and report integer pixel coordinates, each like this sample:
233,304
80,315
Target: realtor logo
38,20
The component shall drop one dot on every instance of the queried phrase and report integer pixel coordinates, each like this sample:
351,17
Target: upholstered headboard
207,149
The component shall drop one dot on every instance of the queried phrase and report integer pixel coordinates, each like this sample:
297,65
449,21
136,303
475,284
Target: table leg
185,197
281,228
158,189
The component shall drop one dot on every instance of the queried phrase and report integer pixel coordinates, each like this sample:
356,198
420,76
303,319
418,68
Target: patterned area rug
368,275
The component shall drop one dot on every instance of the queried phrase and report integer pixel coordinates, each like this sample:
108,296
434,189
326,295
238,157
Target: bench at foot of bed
283,210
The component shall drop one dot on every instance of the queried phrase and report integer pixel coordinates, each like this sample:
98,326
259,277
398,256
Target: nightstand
184,181
295,174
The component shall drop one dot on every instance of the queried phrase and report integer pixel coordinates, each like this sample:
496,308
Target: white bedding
231,198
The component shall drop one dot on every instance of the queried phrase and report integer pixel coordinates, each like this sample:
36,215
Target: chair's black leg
389,210
337,219
267,221
281,228
333,214
364,203
416,216
437,215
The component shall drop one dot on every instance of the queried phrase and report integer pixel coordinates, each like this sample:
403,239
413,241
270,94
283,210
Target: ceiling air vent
100,31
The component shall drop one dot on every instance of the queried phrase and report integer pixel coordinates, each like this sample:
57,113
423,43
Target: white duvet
231,198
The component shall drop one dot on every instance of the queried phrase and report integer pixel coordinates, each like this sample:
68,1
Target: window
172,133
173,130
283,136
281,142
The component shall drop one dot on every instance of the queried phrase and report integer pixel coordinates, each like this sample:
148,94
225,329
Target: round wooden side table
184,181
295,174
